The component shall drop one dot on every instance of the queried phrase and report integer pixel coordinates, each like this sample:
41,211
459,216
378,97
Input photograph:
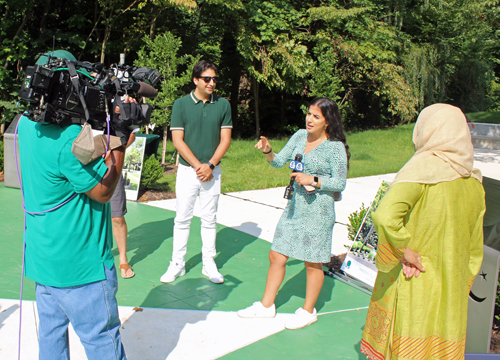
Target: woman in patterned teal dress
304,231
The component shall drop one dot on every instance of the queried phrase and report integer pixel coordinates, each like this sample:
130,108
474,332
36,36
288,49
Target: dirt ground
153,194
495,342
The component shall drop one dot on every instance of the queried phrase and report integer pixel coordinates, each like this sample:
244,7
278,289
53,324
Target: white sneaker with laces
302,318
257,310
210,270
173,272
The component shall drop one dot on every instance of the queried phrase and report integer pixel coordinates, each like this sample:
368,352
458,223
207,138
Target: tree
161,54
133,156
451,46
358,63
271,52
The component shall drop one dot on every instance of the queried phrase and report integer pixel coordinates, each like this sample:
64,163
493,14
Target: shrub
151,171
1,156
355,221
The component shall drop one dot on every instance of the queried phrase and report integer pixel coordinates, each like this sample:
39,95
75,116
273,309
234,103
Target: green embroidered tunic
425,317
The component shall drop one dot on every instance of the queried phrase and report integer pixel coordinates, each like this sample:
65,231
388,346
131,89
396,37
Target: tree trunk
197,29
97,18
27,15
4,16
235,98
107,33
152,27
144,101
46,9
282,110
255,86
164,150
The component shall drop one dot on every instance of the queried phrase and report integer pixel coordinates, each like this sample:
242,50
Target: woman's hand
302,179
412,263
263,145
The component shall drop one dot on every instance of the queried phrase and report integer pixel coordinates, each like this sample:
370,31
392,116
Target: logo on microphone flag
296,165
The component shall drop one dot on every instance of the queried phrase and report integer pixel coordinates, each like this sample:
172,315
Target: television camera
75,92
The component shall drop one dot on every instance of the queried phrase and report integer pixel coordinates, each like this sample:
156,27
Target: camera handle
118,100
76,84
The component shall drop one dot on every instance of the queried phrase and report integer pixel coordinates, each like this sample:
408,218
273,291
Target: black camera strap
75,80
118,101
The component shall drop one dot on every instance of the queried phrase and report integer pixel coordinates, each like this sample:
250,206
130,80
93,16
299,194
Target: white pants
187,188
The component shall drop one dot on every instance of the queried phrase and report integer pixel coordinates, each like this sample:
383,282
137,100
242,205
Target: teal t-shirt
202,123
67,246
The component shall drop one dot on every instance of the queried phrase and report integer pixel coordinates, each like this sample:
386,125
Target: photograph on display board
132,167
359,262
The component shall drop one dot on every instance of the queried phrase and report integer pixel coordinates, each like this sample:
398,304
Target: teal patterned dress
304,231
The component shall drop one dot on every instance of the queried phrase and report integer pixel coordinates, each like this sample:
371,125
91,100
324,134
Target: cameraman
68,247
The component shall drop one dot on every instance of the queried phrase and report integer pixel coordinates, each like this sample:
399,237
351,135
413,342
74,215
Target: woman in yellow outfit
430,249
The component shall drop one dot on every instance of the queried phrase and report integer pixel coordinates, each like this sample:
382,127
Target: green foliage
382,61
161,54
497,305
132,156
271,52
1,155
494,95
355,221
151,172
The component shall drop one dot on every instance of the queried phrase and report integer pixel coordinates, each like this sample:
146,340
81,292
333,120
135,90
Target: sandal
126,271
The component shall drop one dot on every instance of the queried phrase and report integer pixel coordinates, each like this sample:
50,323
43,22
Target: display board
359,262
483,293
132,167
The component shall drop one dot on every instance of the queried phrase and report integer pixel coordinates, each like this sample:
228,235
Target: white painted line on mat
339,311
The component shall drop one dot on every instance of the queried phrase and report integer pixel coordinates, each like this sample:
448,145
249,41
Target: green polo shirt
201,123
70,245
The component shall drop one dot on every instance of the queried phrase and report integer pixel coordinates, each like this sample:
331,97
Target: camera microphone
295,165
143,89
146,90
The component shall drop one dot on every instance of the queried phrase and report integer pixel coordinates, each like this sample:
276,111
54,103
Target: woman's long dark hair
334,130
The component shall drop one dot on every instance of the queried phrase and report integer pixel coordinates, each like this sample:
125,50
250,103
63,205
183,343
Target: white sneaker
302,318
210,270
173,272
257,310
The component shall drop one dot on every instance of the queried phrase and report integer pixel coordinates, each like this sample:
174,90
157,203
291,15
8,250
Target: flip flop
126,271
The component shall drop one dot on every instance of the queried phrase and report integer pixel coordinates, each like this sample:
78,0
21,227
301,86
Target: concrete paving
485,136
253,212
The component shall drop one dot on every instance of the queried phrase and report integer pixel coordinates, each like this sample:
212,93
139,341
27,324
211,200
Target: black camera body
64,92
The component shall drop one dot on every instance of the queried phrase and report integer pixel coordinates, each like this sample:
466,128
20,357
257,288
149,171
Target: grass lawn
488,117
373,152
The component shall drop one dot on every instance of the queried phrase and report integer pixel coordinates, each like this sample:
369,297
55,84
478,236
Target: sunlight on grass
373,152
376,152
489,117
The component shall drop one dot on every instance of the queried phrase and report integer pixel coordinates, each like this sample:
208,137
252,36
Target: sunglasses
207,79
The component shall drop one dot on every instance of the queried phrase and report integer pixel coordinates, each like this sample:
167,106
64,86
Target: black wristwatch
315,182
212,166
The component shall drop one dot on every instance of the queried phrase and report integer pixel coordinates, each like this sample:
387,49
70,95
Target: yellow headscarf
443,148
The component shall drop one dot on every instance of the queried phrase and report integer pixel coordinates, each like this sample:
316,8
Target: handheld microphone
295,165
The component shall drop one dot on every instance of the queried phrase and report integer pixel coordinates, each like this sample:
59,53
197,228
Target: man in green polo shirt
201,131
